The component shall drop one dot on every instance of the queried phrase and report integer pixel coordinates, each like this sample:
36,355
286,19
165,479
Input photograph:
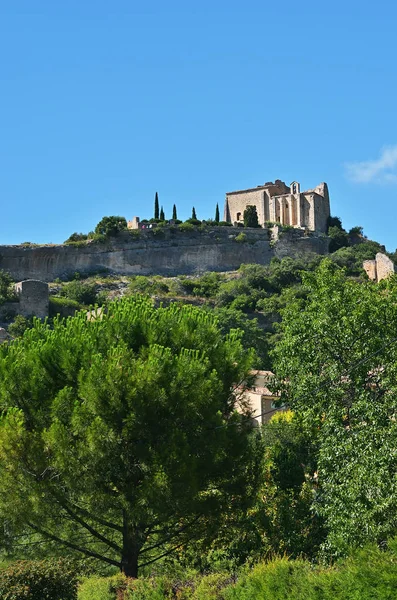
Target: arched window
239,216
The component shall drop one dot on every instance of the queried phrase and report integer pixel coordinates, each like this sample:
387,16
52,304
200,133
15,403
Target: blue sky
104,103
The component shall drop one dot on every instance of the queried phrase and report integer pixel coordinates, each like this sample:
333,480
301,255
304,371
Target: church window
239,216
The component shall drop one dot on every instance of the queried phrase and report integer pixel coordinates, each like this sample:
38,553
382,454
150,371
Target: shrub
64,307
83,293
186,226
101,588
19,326
224,224
241,237
39,580
76,237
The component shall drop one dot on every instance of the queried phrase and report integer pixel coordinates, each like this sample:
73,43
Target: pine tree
156,206
174,216
162,216
194,216
217,213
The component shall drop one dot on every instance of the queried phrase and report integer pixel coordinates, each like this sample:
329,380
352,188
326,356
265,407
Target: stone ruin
33,298
379,268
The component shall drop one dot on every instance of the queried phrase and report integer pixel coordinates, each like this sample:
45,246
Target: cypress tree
194,216
156,206
162,216
174,213
217,213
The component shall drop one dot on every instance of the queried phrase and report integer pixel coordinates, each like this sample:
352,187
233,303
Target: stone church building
279,203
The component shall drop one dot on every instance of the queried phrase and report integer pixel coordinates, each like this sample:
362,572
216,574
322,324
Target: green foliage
19,326
162,216
251,217
224,224
39,580
174,213
76,237
82,293
102,588
186,226
62,306
241,237
110,226
334,222
7,293
217,217
148,285
194,216
156,206
352,258
339,238
338,365
368,574
123,423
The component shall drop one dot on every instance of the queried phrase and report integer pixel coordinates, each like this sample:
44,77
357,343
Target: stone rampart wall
164,252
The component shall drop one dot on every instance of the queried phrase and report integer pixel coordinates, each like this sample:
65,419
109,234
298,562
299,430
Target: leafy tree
119,436
336,357
334,222
217,218
339,238
6,287
162,216
156,207
194,216
110,226
251,217
174,214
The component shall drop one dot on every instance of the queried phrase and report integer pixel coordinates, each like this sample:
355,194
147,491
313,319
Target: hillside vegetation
126,443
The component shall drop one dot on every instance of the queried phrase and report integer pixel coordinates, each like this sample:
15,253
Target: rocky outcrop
165,251
380,268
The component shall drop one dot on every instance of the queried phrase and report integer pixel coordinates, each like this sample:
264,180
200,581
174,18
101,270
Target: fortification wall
163,252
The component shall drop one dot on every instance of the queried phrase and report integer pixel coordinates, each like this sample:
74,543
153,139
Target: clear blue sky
104,103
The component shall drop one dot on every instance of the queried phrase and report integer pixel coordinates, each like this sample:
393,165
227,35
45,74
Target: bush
76,237
224,224
39,580
65,307
19,326
241,237
83,293
186,226
101,588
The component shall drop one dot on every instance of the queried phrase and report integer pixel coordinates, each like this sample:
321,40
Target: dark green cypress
194,216
174,213
156,206
162,216
217,213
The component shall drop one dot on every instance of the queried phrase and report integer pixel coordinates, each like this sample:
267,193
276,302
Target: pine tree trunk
131,549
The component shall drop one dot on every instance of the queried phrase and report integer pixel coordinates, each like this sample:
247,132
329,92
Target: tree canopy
251,217
119,434
337,360
110,226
